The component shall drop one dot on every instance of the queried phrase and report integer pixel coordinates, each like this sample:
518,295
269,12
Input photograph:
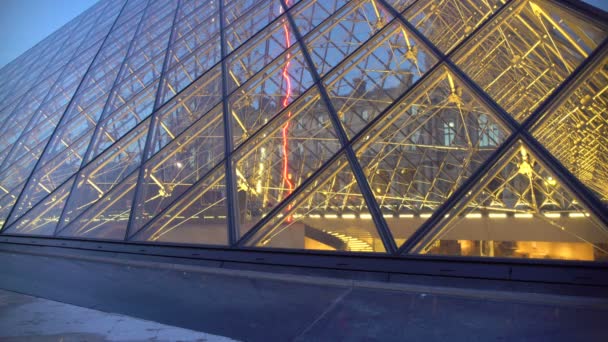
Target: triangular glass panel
92,94
29,148
375,76
115,126
528,51
150,45
197,217
139,83
108,217
576,131
194,31
178,166
154,34
20,119
71,44
184,109
102,26
5,117
258,100
48,177
350,27
194,13
12,181
121,121
139,71
21,169
43,218
249,19
235,9
117,43
420,152
7,201
65,87
519,210
69,134
7,106
400,5
87,104
191,68
195,50
328,214
132,8
259,51
447,23
282,155
308,14
102,174
4,154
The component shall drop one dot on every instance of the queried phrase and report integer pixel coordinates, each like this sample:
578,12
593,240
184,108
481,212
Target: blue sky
603,4
23,23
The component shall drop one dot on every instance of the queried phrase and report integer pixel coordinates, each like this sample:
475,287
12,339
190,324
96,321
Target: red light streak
285,129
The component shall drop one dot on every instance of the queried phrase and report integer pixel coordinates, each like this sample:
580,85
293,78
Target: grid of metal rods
371,125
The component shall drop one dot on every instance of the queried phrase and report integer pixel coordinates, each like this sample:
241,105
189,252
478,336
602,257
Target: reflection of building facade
422,127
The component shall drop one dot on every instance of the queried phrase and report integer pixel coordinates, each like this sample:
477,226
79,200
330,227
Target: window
449,133
488,132
415,139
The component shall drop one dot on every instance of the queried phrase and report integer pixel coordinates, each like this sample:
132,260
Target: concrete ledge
364,266
585,300
286,303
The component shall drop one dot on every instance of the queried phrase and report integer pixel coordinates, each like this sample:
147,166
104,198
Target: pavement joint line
327,310
498,295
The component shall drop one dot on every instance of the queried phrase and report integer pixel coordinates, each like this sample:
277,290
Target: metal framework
446,127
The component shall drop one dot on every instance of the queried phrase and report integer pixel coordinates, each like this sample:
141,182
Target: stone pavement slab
27,318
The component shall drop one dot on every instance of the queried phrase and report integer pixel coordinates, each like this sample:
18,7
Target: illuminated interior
461,128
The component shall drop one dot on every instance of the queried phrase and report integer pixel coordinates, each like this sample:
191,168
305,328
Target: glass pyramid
461,128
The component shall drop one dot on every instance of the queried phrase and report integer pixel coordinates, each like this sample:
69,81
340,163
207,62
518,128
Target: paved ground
253,306
26,318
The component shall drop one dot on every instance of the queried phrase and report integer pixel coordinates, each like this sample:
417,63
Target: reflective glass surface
460,128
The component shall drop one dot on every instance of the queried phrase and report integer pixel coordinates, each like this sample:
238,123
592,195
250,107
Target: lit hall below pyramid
471,128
